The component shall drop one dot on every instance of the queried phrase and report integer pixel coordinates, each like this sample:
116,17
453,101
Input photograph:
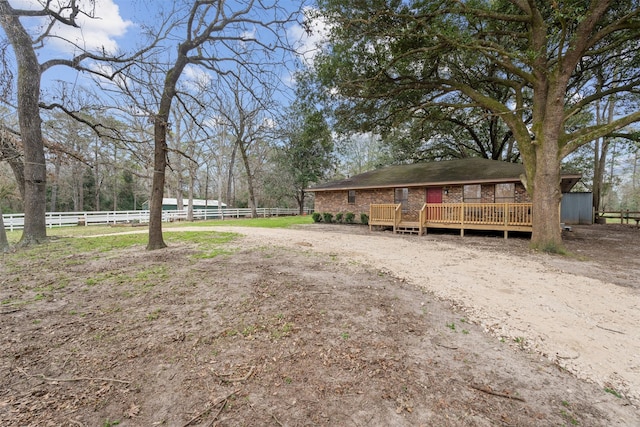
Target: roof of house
448,172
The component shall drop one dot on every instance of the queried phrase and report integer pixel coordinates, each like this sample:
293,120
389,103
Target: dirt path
588,326
321,325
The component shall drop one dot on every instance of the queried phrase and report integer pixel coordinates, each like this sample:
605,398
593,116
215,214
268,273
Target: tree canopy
532,64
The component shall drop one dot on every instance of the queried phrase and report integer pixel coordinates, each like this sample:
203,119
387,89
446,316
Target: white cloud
98,31
249,35
308,41
195,78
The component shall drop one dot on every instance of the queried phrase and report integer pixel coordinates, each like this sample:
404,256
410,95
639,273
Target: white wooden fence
65,219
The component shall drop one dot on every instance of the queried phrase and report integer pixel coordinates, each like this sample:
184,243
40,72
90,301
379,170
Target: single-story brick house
471,193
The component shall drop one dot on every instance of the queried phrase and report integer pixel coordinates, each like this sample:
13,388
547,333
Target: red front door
434,196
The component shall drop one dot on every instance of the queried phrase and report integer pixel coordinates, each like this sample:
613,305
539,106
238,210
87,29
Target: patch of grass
208,242
201,237
249,330
569,417
550,248
159,272
154,315
612,391
13,236
282,331
80,231
213,254
451,326
287,327
345,335
272,222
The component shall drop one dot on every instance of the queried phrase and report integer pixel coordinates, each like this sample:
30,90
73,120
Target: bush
339,217
349,217
327,217
364,218
316,217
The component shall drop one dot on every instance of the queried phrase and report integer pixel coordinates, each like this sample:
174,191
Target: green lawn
272,222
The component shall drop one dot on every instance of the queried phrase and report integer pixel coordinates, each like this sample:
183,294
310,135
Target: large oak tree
419,55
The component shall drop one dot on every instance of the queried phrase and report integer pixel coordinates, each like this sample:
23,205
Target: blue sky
117,28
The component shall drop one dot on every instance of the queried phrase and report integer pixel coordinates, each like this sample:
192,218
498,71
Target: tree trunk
176,137
301,201
191,184
4,242
80,189
156,240
599,167
232,162
28,95
54,184
546,234
160,127
247,166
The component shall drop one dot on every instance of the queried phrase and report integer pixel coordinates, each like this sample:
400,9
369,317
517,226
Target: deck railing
384,214
506,214
397,216
484,216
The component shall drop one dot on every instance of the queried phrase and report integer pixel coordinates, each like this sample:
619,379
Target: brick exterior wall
337,201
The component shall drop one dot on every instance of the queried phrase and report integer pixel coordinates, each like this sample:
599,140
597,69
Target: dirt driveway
324,326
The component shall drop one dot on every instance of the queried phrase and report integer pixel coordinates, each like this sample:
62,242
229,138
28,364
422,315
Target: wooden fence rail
623,215
65,219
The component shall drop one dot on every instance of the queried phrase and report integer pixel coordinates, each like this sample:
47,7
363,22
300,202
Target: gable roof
447,172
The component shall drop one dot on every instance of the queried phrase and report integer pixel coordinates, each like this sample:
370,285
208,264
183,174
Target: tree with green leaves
307,153
398,56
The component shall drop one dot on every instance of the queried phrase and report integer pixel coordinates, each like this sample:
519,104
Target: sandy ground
323,325
586,325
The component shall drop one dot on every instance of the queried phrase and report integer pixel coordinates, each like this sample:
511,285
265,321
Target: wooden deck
463,216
